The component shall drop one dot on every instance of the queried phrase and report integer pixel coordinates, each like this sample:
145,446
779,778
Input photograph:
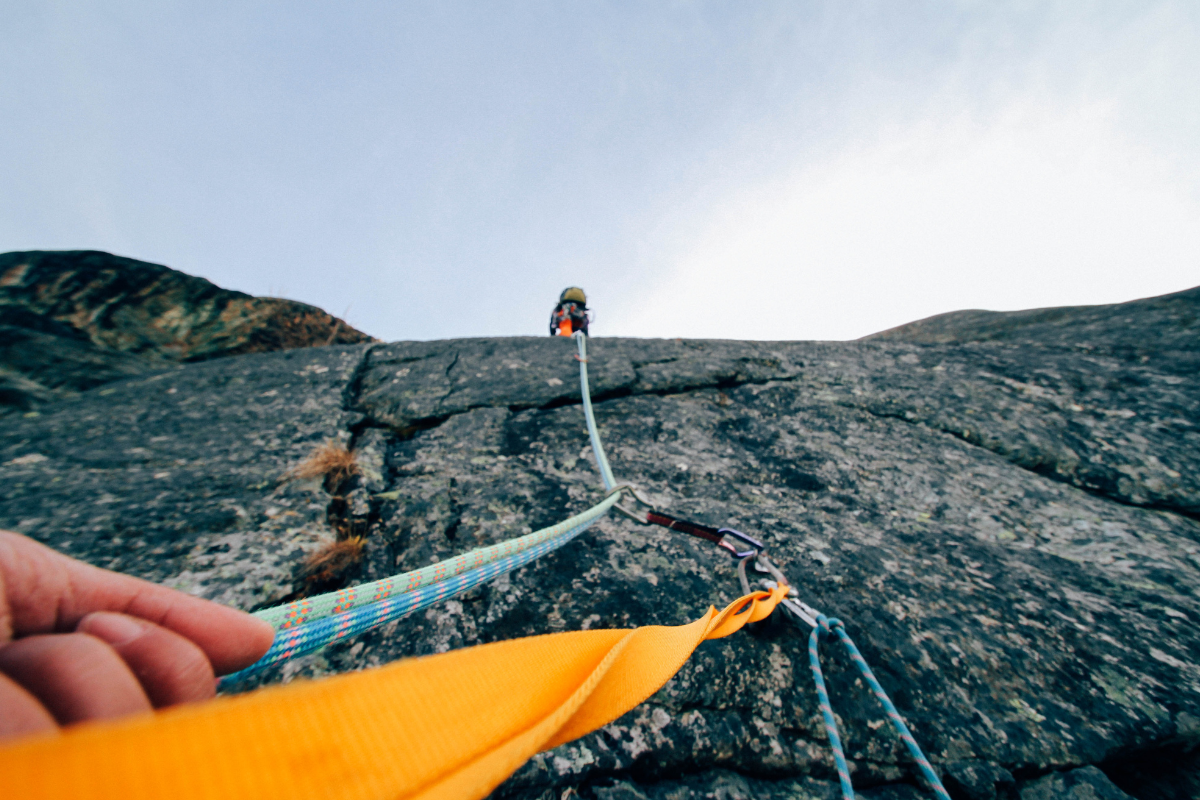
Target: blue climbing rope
826,626
301,639
304,628
593,434
312,623
831,728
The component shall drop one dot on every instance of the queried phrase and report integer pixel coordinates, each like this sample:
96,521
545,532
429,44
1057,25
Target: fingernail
116,629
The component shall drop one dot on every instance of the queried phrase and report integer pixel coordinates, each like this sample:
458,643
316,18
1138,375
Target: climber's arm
78,642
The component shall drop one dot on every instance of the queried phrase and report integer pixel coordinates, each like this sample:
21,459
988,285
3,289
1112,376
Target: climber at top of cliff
570,314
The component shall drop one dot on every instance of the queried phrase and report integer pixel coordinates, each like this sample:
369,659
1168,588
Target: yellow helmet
573,294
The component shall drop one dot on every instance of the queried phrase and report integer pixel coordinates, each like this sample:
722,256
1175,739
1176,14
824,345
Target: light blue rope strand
597,448
310,609
831,729
317,633
825,626
905,734
302,639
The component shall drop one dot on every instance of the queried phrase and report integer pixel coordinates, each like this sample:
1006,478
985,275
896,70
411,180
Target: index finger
43,591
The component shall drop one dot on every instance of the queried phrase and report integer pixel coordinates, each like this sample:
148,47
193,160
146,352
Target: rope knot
827,625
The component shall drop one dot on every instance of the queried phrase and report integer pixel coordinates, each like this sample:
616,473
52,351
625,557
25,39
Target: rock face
72,320
1010,531
1165,324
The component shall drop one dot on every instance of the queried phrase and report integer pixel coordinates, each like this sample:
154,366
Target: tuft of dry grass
330,460
333,563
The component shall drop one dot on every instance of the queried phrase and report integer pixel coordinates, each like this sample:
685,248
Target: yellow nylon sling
448,726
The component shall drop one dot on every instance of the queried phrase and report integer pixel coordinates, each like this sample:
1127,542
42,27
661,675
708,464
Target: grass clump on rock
331,460
330,565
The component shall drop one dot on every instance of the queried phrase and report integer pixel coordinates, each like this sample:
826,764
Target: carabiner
641,519
792,602
732,547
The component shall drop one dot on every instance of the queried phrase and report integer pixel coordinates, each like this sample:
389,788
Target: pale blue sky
739,169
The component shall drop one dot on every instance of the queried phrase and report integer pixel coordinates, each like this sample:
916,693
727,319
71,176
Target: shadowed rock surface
1010,531
72,320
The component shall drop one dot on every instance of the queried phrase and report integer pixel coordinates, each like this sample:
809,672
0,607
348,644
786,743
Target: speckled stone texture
176,476
1149,327
1010,532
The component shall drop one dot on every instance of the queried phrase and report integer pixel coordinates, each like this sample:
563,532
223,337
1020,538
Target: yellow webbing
447,726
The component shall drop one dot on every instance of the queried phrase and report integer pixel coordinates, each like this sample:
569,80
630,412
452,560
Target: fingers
170,668
136,644
75,676
44,591
115,665
22,713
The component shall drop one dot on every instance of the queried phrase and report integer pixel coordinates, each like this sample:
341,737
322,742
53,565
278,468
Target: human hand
78,642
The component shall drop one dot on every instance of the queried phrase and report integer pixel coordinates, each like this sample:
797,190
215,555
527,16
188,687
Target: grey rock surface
977,780
1009,530
724,785
1086,783
1147,327
176,476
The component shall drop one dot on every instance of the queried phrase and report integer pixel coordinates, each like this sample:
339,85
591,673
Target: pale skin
81,643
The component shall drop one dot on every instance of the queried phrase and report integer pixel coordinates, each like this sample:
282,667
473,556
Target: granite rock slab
1008,530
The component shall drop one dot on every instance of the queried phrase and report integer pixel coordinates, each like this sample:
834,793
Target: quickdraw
749,550
746,549
312,623
446,726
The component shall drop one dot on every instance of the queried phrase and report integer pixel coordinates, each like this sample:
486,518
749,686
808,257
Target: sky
765,170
